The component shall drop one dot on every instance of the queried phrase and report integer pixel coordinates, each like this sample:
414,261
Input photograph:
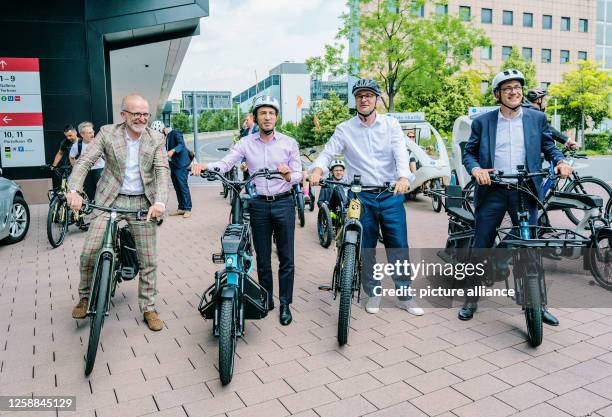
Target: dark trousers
91,182
179,181
276,217
488,217
385,211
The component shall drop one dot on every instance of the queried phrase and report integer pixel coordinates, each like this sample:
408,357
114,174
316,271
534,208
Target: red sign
21,119
19,64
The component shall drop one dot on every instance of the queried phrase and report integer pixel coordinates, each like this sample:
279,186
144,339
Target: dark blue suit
491,202
179,164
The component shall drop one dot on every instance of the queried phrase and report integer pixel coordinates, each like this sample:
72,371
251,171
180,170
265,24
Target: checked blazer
110,143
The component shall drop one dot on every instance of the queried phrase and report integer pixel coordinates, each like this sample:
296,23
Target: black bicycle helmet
366,84
536,93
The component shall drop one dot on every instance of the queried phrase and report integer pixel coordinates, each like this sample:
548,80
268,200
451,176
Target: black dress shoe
467,311
548,318
285,314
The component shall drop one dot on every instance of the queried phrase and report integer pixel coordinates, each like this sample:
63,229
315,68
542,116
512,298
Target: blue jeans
179,178
385,211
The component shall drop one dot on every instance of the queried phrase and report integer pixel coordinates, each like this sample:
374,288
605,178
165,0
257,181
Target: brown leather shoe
80,310
153,321
187,214
177,213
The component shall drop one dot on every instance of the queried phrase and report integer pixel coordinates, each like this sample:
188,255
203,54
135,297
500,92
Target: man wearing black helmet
536,99
501,140
272,210
374,147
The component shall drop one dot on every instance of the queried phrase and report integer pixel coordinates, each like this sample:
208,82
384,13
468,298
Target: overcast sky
243,36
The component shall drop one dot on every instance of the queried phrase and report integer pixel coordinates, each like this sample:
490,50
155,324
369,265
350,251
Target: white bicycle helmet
266,100
158,125
335,163
507,75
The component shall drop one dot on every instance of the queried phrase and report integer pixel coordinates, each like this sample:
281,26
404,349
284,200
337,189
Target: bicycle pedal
325,288
218,258
128,273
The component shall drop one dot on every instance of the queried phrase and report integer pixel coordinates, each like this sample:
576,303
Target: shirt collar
275,137
129,139
378,120
500,116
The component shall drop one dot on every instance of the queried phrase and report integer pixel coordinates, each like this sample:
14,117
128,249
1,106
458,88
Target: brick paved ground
395,364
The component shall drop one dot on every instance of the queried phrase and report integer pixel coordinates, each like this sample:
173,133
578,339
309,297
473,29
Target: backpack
128,256
79,148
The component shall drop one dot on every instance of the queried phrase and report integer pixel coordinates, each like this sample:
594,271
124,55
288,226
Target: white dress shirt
132,182
378,152
74,150
509,144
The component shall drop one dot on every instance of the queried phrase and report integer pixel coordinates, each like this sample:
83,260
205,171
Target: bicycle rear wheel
325,228
436,201
97,320
227,340
57,221
587,185
348,264
601,259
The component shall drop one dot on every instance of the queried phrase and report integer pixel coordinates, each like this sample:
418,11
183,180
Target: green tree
583,94
444,106
305,133
330,114
398,47
182,122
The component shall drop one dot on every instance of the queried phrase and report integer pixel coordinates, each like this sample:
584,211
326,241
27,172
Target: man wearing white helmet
179,159
500,141
374,147
272,209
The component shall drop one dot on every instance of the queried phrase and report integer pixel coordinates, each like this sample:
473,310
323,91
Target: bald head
135,114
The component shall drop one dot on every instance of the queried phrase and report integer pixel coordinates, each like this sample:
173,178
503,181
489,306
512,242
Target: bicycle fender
351,236
228,293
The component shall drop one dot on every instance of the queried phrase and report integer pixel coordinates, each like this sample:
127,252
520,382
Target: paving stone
524,396
440,401
579,402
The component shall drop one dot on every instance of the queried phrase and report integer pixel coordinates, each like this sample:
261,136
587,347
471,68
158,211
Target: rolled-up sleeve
334,146
295,164
235,154
400,153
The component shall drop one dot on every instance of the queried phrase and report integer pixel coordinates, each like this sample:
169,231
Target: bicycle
524,240
231,175
346,277
109,270
298,198
329,221
234,296
59,215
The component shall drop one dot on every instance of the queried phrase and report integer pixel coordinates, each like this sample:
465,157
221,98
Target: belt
274,197
132,195
504,186
376,190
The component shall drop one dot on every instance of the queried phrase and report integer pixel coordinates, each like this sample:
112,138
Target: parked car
14,212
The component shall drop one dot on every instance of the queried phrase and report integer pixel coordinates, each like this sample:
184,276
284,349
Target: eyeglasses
368,97
508,90
138,114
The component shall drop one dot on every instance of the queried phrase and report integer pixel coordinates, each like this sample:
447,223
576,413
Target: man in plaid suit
135,177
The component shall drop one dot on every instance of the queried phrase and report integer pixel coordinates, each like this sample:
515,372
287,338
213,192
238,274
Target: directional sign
21,121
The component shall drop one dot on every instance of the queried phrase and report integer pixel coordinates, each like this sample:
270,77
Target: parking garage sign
21,121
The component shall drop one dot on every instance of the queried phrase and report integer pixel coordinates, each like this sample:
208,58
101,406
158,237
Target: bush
599,142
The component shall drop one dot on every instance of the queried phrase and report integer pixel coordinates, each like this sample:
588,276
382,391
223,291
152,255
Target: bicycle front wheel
587,185
300,208
348,265
227,340
533,309
436,201
57,221
325,227
97,320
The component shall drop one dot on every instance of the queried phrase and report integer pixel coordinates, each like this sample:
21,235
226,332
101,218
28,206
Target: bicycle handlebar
498,176
389,185
211,175
141,214
573,154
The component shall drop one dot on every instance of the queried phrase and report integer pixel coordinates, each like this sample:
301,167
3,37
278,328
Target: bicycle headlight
113,215
356,188
229,261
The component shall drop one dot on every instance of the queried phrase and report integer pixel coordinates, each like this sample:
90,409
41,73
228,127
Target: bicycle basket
128,255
